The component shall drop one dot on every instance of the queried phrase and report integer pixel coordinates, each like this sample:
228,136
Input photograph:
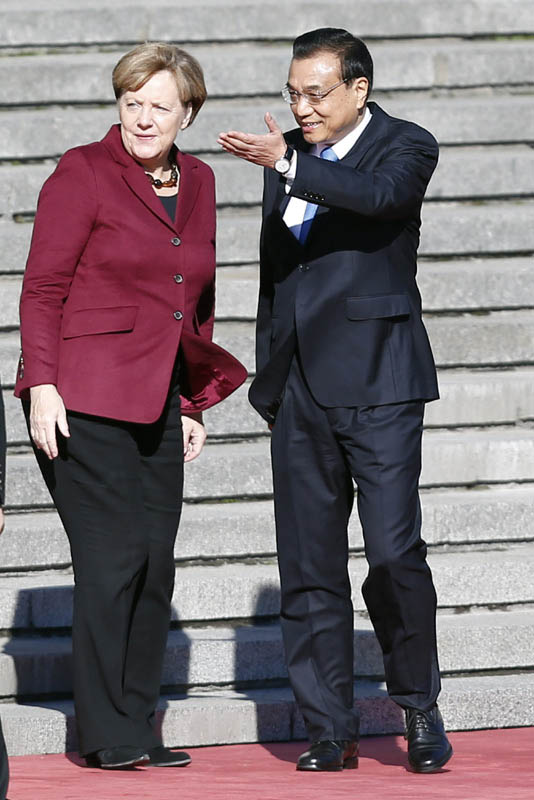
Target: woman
116,321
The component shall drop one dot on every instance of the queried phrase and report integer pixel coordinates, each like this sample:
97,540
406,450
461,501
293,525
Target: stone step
472,172
249,70
462,172
450,458
497,338
240,530
467,120
457,285
243,655
468,398
480,229
227,717
481,284
59,22
478,577
494,339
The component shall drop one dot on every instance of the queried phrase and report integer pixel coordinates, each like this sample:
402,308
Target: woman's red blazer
113,288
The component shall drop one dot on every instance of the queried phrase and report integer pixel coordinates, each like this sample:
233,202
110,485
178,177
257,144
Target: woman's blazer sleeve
66,213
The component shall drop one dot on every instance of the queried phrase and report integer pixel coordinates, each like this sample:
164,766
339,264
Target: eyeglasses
291,96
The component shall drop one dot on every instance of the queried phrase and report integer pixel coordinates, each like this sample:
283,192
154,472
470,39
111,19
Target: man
343,370
4,766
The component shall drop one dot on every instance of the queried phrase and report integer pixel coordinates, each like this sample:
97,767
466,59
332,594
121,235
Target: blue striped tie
301,231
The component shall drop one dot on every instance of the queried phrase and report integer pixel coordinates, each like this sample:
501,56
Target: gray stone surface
255,69
243,654
96,21
449,229
496,455
22,185
478,228
457,285
499,338
228,717
461,173
16,243
476,284
446,285
237,530
468,397
34,540
239,591
501,701
488,339
468,120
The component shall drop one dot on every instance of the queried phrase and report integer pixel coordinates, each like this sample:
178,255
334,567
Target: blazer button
303,267
178,278
178,315
176,241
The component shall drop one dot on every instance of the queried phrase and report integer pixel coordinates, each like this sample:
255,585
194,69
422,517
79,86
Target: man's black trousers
118,490
316,454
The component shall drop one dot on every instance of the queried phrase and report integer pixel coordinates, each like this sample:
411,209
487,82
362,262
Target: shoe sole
436,766
349,763
183,763
136,762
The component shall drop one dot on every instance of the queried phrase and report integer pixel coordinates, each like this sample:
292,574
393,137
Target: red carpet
487,765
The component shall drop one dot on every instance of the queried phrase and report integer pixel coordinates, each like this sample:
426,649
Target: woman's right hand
46,411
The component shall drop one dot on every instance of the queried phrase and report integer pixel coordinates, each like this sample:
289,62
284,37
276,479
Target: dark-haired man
344,368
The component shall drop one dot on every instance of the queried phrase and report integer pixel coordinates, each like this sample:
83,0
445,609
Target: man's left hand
263,149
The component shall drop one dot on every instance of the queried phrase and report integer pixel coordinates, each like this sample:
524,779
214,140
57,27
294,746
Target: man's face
339,112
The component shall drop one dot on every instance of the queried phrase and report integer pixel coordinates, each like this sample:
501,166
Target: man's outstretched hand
263,149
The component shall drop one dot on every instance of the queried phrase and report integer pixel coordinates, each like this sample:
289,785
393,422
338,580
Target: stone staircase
460,68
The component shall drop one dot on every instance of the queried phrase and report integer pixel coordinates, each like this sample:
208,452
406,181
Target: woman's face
151,118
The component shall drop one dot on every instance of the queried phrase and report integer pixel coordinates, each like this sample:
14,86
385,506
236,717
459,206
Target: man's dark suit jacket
348,296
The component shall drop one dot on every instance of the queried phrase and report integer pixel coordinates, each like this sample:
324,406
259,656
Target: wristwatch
282,165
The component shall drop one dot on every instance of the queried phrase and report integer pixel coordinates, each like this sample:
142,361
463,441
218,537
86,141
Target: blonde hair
137,66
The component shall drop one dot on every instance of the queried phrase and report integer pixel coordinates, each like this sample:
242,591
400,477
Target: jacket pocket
91,321
378,306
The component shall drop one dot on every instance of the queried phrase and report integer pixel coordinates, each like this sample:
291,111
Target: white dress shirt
294,213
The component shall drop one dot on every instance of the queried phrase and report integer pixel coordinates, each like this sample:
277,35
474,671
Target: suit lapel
374,131
189,187
139,184
136,180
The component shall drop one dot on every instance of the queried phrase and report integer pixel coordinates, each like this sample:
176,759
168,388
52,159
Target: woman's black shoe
118,757
164,757
428,746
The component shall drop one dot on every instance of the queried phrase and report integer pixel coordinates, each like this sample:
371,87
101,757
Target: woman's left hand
194,436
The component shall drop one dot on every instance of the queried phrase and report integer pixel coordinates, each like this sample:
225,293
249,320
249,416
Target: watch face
282,165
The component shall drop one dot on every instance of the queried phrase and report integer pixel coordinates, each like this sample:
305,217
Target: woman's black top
169,204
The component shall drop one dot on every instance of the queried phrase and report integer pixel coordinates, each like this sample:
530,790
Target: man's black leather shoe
117,757
428,746
329,756
164,757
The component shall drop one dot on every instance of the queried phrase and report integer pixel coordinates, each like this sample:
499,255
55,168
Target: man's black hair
354,57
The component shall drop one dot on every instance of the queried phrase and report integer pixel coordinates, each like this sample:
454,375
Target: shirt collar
345,144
